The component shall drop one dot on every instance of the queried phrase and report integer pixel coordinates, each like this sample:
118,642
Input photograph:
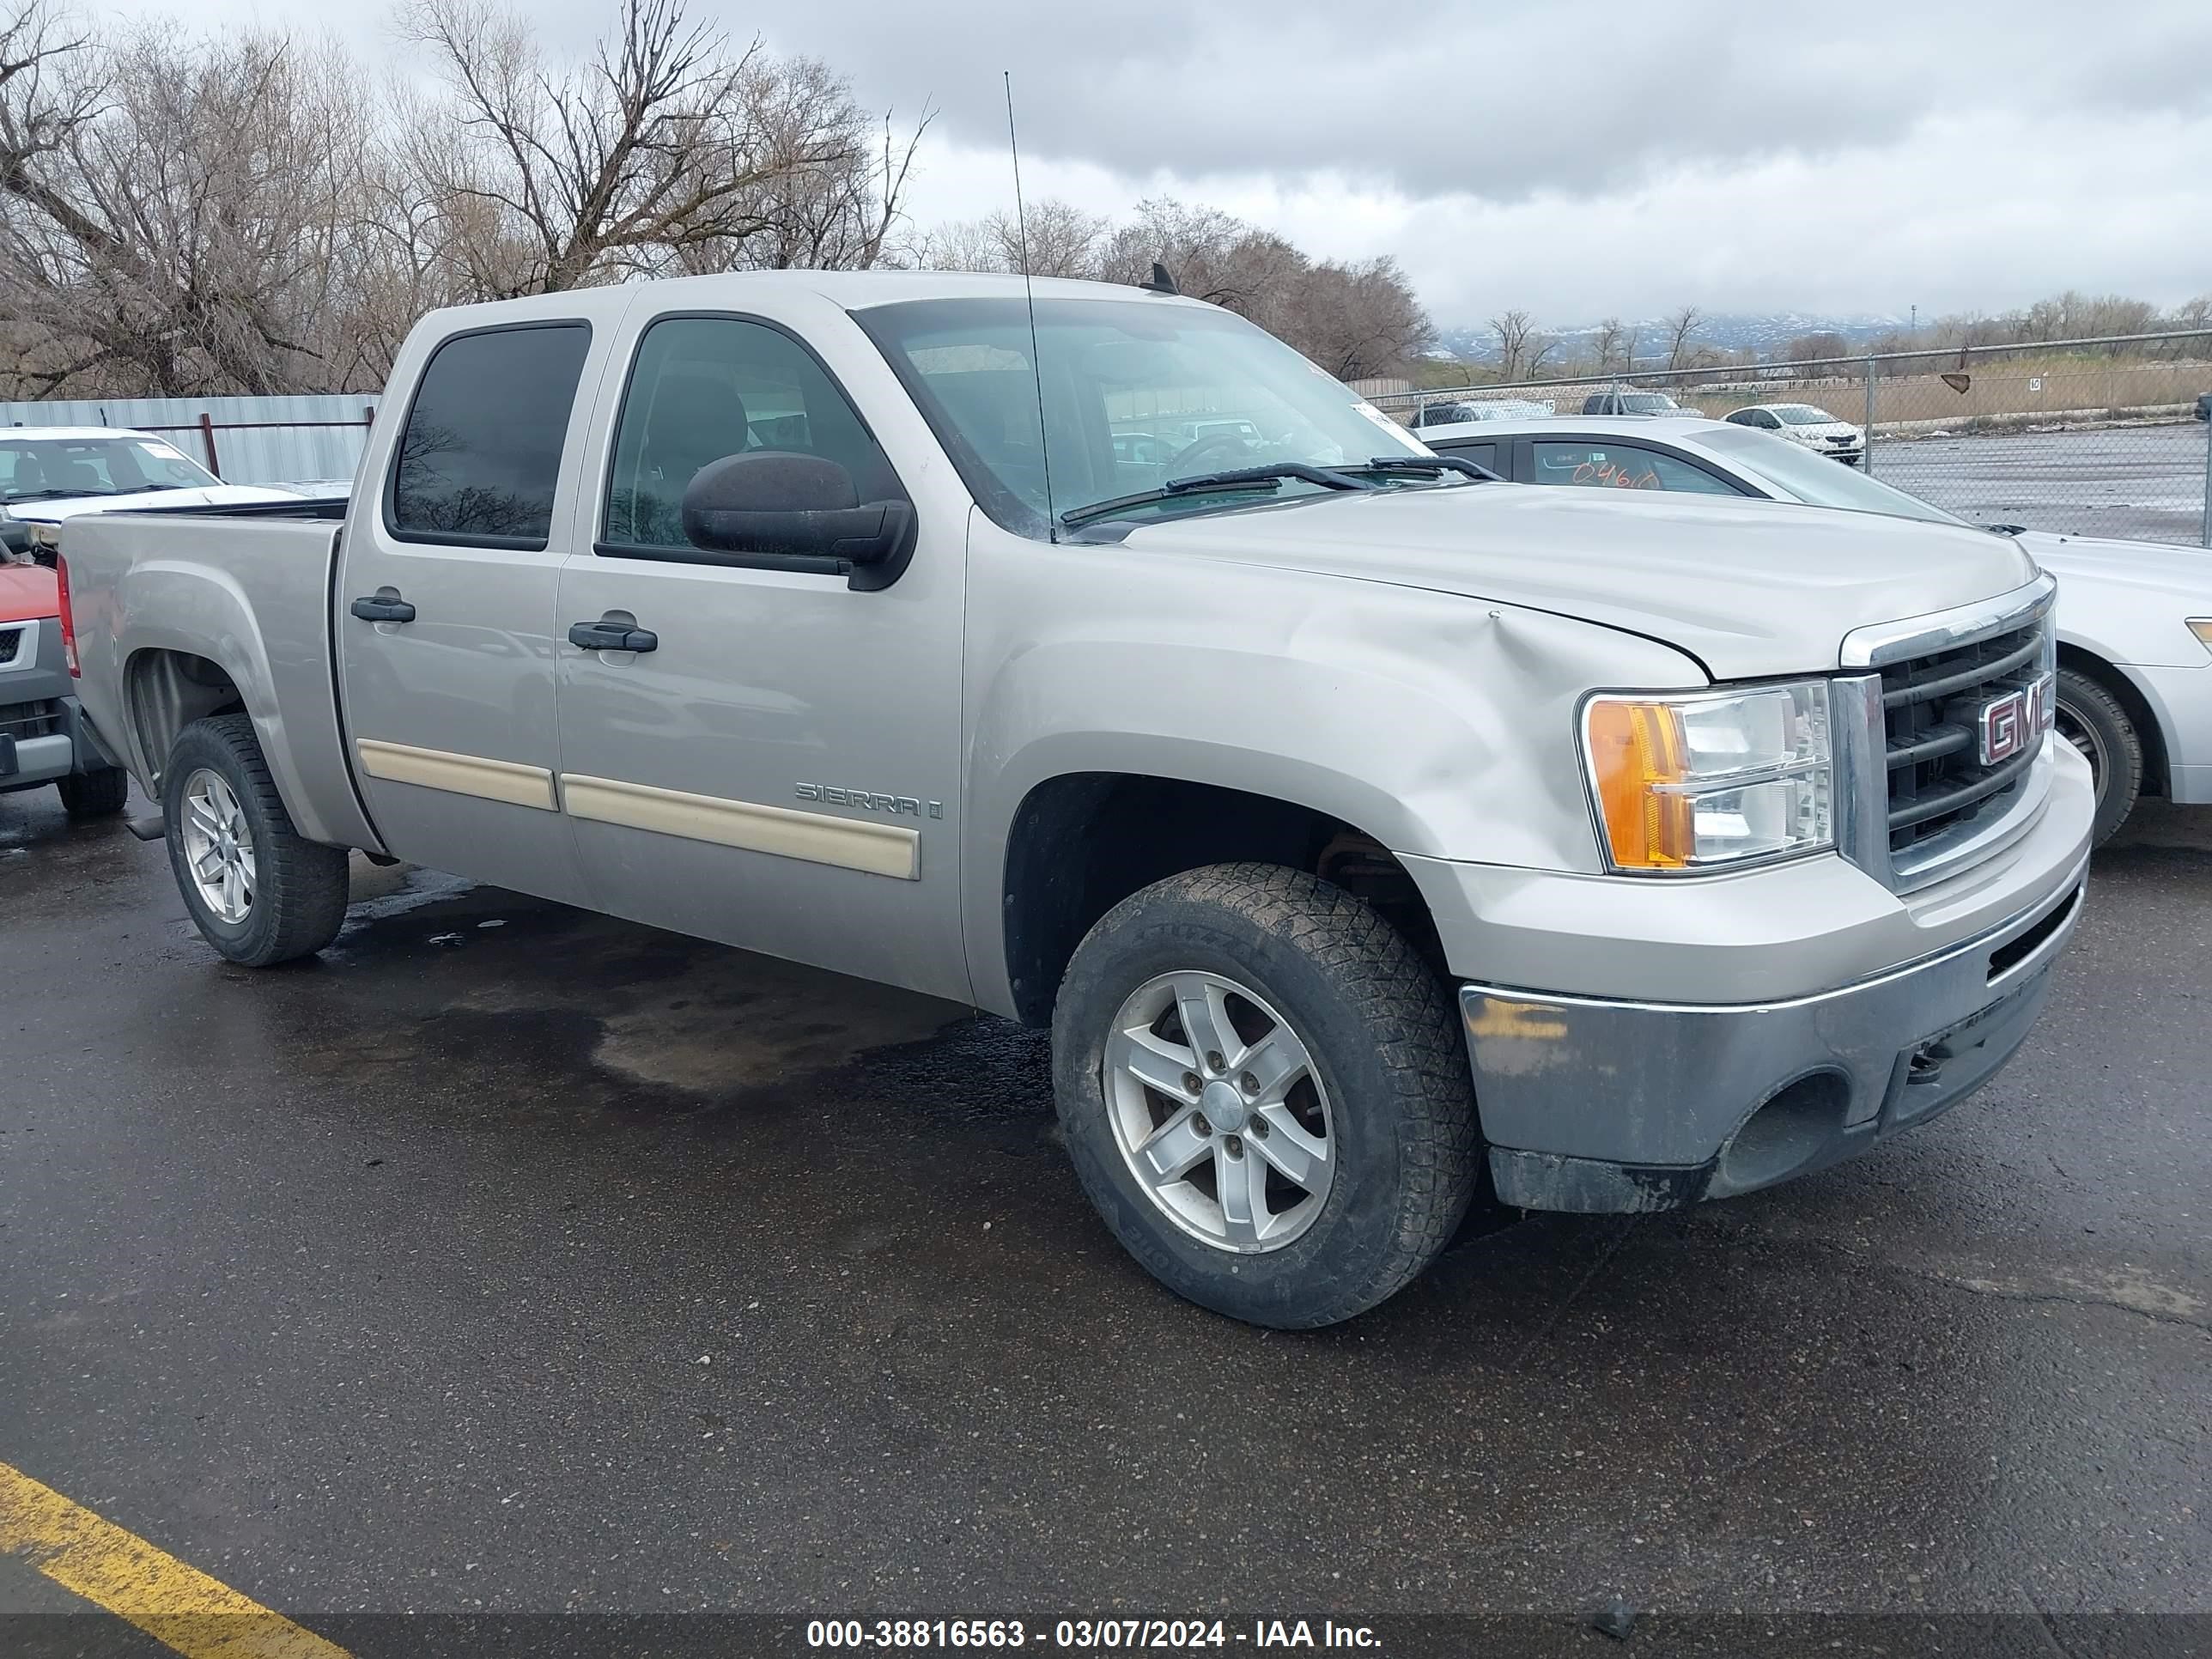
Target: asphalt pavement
512,1260
2143,481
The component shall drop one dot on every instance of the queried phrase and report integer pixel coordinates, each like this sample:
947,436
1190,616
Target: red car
43,738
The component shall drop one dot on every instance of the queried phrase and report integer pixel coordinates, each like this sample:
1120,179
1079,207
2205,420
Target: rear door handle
613,634
386,606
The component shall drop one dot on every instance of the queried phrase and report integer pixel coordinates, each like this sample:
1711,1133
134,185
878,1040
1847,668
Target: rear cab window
479,459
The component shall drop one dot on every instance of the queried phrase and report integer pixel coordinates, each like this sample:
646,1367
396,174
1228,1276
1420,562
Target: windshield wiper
1270,474
54,495
1433,466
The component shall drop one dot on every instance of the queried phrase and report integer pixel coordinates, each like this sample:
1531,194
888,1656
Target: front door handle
613,633
386,606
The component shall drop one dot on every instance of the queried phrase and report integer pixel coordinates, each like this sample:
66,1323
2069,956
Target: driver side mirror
798,511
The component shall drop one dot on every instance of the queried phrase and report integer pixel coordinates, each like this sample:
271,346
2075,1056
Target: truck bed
254,581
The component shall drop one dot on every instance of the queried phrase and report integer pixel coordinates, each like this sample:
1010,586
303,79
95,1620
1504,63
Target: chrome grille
1922,802
30,720
1935,778
11,643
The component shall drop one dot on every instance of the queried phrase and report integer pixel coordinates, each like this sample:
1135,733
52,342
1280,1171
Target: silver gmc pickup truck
1374,836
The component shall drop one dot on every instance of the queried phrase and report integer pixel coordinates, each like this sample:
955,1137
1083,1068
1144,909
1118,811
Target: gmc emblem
2010,725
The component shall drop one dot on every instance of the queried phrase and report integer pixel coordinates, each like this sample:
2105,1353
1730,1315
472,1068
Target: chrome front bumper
1604,1105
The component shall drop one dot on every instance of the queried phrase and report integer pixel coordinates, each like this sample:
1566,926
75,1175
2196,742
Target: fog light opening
1790,1131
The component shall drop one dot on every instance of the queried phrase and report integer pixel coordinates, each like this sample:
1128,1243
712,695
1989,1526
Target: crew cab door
446,602
779,767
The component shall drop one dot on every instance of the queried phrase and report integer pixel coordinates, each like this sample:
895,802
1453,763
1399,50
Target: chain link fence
2093,437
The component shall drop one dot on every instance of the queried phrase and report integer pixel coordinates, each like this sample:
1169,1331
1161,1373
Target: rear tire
2091,719
99,795
286,898
1261,953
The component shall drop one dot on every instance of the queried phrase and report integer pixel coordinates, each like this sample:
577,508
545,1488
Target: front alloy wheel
1218,1111
1264,1091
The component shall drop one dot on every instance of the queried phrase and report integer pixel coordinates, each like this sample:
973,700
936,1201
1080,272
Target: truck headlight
1706,778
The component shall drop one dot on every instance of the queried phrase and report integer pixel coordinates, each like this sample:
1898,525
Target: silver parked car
1370,833
2134,618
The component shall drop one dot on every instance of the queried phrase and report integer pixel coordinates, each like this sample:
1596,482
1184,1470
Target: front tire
1266,1094
2091,719
257,891
99,795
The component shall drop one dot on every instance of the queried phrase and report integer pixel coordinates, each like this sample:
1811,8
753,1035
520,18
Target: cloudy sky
1572,158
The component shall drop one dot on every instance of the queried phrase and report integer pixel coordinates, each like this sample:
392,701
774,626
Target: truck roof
851,290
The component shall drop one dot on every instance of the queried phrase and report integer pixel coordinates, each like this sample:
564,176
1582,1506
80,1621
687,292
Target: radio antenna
1028,292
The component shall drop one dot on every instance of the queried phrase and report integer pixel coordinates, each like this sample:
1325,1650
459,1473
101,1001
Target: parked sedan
2134,618
1803,423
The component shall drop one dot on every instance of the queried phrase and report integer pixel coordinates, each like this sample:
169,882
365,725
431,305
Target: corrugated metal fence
241,440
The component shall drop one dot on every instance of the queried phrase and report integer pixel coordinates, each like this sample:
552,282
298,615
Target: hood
1747,587
28,592
68,507
2161,568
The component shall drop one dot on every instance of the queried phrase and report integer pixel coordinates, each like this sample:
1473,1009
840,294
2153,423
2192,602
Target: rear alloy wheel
257,891
2091,719
218,848
1265,1091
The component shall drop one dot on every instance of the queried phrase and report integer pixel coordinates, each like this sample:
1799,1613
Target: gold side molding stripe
879,849
509,781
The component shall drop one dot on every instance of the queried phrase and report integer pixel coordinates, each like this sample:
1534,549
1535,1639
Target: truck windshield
1136,394
44,469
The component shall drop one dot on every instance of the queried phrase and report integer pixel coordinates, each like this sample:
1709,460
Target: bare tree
1358,321
833,194
964,245
1512,329
1614,344
1063,241
671,149
1679,327
1809,348
1354,320
175,216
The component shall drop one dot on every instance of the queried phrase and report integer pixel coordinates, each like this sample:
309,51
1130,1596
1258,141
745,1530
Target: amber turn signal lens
1635,748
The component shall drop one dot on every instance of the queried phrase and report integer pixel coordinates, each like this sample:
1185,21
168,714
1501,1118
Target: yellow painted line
174,1604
